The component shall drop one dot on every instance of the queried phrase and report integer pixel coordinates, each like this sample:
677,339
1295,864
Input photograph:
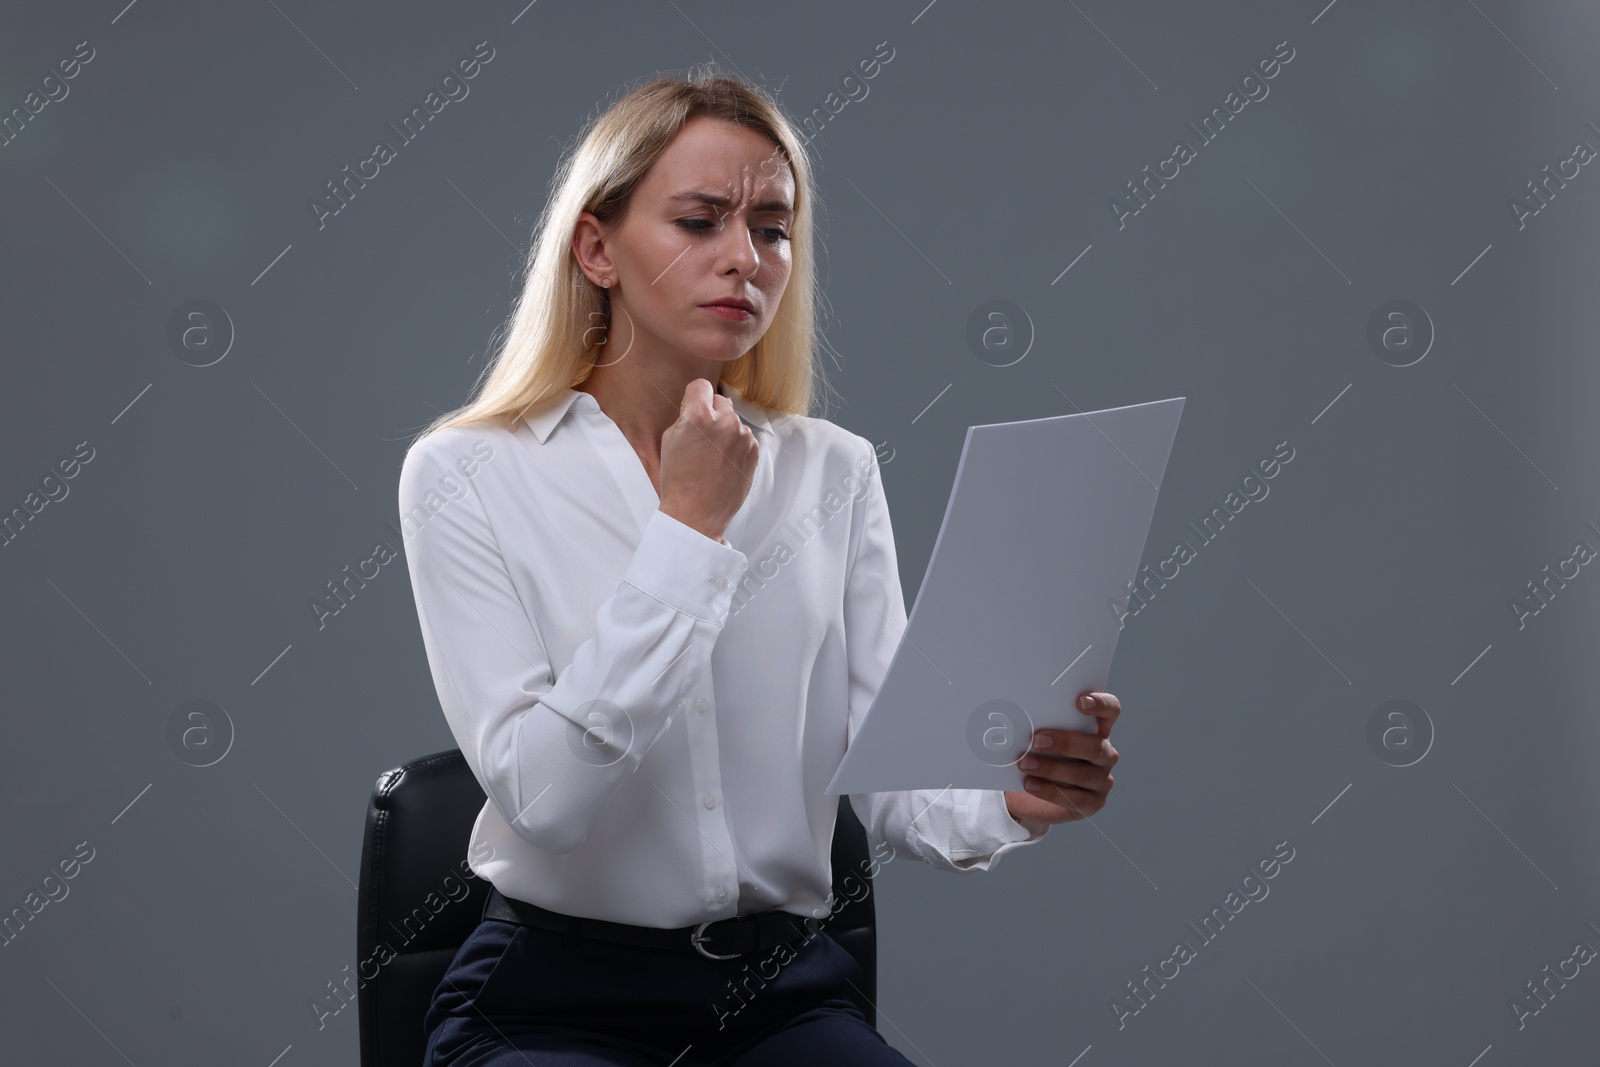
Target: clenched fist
708,461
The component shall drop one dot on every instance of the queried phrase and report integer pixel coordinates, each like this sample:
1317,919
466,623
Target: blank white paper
1043,533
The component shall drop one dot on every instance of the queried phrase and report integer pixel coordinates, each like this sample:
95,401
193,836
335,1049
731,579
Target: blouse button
722,893
701,704
710,801
720,582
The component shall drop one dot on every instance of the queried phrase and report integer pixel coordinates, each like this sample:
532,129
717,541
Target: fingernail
1086,702
1041,740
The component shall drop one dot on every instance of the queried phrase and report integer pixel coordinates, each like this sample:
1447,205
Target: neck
644,396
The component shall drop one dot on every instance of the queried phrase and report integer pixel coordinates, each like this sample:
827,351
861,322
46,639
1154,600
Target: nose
736,249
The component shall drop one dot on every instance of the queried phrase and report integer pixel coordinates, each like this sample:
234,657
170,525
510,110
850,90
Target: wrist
699,525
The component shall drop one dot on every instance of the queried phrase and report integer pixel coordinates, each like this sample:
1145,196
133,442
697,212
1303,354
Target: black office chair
411,901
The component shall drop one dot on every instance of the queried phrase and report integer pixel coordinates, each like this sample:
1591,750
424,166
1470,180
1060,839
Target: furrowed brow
713,200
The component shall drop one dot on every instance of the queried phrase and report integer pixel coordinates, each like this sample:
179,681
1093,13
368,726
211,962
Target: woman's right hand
708,461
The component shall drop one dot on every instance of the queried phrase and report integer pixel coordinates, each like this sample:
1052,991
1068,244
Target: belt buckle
698,939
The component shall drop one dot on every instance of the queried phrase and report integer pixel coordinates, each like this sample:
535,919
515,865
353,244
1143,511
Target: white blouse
654,715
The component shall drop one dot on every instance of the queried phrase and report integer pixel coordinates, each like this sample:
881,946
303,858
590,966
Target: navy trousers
516,995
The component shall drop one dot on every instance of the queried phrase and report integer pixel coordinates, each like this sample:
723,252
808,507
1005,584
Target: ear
589,249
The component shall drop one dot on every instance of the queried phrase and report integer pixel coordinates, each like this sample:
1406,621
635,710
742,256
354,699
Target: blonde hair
546,347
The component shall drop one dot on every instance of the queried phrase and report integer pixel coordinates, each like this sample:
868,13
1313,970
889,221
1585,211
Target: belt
719,939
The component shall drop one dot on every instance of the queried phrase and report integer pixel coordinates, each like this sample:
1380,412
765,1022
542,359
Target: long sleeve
951,829
551,747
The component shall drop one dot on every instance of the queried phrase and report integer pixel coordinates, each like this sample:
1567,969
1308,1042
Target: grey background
220,500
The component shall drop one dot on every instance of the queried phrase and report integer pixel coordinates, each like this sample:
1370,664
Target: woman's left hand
1067,772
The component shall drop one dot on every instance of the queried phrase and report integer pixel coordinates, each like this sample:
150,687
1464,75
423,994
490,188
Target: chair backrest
417,903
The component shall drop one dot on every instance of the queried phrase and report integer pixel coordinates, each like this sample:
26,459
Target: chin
726,348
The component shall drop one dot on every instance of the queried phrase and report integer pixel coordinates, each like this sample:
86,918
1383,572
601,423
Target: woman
657,598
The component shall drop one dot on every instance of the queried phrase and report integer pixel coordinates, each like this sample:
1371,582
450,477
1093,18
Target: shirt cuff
995,832
685,569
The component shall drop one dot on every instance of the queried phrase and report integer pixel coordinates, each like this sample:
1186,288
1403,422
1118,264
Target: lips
732,302
729,312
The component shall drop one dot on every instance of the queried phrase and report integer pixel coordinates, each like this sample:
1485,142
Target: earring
605,283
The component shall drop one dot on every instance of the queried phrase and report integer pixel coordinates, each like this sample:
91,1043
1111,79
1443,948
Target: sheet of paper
1039,547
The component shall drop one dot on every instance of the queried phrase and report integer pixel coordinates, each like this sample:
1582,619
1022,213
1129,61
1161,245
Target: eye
770,234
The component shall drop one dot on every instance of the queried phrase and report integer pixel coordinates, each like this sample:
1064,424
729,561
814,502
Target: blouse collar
543,421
